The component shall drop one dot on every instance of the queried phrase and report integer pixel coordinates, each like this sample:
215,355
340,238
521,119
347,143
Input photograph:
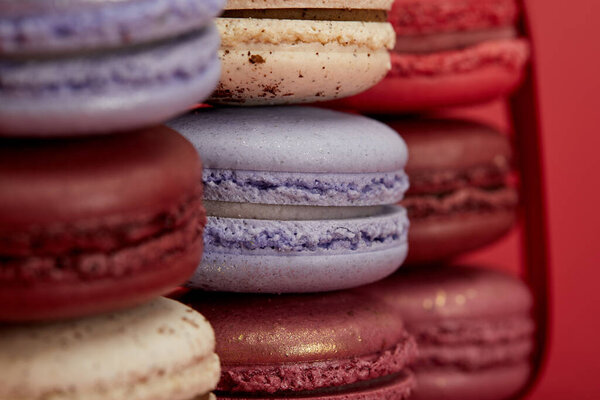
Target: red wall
567,39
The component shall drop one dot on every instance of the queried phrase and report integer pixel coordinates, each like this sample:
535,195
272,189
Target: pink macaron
448,52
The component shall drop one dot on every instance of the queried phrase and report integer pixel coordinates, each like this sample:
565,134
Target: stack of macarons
95,228
290,233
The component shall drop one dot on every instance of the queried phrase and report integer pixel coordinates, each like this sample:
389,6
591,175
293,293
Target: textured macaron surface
96,224
414,17
327,4
160,351
296,155
463,318
293,343
456,166
58,26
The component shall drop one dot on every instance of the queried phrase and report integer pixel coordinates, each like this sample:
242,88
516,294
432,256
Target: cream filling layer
432,43
287,212
371,35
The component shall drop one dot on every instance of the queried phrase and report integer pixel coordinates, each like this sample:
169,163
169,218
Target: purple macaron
299,199
72,67
474,329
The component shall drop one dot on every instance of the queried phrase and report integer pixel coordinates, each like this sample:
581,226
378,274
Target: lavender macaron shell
112,91
292,139
56,26
243,255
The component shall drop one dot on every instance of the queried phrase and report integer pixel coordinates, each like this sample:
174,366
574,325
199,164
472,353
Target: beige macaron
162,350
294,51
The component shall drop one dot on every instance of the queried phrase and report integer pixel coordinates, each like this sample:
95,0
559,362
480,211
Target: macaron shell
438,238
292,139
500,383
108,92
478,74
331,326
342,4
399,388
270,61
58,300
56,26
264,256
161,350
311,273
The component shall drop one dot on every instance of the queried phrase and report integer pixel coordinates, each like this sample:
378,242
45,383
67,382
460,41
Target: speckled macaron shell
30,27
280,61
301,345
298,156
162,350
107,91
474,329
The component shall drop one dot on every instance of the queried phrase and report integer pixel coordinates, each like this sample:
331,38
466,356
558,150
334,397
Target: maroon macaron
95,224
335,346
459,198
473,326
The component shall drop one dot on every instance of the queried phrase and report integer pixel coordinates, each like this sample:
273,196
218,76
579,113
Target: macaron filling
435,42
135,67
281,237
294,188
306,378
82,250
312,14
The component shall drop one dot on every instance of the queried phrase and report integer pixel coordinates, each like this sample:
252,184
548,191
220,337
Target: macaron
448,52
460,195
98,223
294,51
474,330
162,350
298,199
80,67
333,346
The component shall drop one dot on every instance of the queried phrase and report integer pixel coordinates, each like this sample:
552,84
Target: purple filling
178,60
288,188
227,235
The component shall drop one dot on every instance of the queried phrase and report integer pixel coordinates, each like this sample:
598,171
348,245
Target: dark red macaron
95,224
448,52
459,197
473,326
333,346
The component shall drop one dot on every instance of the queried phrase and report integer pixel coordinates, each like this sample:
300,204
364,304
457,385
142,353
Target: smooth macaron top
141,353
329,4
440,293
292,139
34,27
275,329
94,179
437,145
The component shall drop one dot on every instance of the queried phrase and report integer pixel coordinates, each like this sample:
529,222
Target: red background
567,52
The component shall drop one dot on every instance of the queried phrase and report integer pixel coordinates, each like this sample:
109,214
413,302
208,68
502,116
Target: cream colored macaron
294,51
162,350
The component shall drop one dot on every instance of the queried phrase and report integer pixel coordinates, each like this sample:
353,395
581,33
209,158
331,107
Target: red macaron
334,346
94,224
448,52
473,326
460,195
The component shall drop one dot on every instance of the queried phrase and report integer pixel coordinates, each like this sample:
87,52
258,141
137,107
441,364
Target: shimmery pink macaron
473,326
339,345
